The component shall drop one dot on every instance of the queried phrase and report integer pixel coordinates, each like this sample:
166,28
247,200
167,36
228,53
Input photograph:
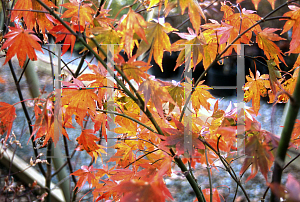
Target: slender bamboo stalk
286,137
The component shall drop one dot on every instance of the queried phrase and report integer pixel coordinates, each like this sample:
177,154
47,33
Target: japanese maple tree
159,124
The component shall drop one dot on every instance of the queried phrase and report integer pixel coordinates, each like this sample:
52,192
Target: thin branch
36,11
26,114
59,169
48,175
209,175
128,117
65,64
141,157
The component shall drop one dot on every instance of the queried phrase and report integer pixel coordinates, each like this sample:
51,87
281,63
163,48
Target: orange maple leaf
289,87
255,87
44,20
143,191
82,11
22,43
296,133
294,22
154,89
133,69
232,27
177,138
86,141
7,117
130,24
194,11
197,51
85,174
265,39
200,97
44,124
216,195
78,101
69,39
158,41
124,155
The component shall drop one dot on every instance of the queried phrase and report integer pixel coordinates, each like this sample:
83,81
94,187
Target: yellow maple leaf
158,41
255,87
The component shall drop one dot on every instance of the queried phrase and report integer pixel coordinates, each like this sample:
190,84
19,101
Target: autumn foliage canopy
150,113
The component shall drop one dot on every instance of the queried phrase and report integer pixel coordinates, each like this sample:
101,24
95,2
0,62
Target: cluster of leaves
151,141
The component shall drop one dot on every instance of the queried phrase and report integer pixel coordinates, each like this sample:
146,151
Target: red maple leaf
62,33
86,174
7,117
44,124
86,141
177,138
143,191
22,43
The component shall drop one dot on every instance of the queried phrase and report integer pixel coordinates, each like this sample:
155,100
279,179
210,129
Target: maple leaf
86,141
143,191
258,153
177,94
78,101
127,126
265,39
100,123
295,139
133,69
289,192
130,24
294,22
255,87
7,117
197,52
44,124
82,11
85,174
158,41
201,96
177,138
102,20
232,27
194,11
44,20
124,155
69,39
154,90
98,79
256,2
22,43
216,195
289,87
104,35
